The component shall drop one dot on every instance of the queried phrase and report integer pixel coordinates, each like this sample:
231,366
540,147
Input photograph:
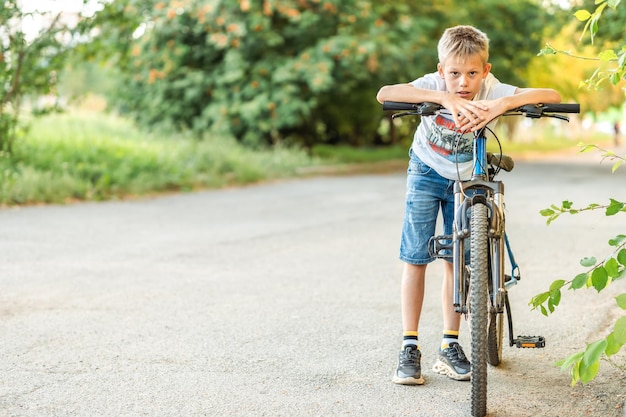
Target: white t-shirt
435,138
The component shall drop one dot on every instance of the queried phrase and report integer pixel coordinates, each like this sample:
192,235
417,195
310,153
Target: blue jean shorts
426,193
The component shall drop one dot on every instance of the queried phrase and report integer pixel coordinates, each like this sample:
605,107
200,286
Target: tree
29,64
289,71
584,365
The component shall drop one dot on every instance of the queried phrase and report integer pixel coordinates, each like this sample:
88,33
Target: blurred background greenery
107,99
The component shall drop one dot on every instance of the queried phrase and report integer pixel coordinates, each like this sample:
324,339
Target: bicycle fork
467,194
453,248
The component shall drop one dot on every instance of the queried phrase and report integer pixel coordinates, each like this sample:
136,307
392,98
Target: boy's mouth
464,94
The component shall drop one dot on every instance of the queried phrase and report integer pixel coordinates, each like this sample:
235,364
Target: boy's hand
468,115
491,110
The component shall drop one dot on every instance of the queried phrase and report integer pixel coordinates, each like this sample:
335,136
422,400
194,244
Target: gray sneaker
409,370
453,363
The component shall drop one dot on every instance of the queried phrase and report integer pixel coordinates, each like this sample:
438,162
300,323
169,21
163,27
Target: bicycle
481,285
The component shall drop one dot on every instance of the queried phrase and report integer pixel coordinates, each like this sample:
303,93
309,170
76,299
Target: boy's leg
412,298
412,295
452,360
451,319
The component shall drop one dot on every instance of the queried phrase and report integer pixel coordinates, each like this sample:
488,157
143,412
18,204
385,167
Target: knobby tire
494,338
479,296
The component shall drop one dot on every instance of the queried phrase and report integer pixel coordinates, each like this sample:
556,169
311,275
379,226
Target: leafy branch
614,207
614,74
584,366
554,211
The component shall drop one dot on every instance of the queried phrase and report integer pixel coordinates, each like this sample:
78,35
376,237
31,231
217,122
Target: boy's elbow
555,96
380,96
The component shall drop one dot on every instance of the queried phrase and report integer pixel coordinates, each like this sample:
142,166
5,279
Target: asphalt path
281,299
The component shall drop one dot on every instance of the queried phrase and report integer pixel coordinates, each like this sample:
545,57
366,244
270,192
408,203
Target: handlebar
534,111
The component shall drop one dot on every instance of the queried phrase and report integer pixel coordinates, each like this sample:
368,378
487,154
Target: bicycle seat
501,161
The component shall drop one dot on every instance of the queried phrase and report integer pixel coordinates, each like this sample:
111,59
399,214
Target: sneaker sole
408,380
443,369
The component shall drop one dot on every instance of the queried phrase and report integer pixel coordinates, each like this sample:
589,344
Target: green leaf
570,360
612,267
547,50
617,240
614,208
599,278
587,148
612,347
539,299
619,330
613,3
579,281
575,372
594,351
555,299
588,372
567,204
621,301
582,15
557,284
544,311
621,256
622,274
588,261
618,163
547,212
607,55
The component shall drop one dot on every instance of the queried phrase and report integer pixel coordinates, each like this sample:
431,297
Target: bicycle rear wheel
479,298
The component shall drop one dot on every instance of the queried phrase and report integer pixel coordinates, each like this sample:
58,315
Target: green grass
352,155
97,156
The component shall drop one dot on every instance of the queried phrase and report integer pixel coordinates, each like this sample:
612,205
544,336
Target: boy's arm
522,96
460,108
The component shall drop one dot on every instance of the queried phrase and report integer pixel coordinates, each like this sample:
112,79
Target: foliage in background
584,366
295,71
29,65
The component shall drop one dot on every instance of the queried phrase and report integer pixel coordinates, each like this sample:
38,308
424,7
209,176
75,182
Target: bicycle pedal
530,342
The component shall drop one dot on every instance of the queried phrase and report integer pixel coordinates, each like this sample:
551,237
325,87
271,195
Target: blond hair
462,42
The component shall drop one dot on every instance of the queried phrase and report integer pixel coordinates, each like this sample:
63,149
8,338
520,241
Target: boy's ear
486,70
440,69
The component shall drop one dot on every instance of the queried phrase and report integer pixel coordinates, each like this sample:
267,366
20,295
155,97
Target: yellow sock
409,338
449,336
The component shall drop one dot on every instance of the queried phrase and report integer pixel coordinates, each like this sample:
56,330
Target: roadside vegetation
97,156
93,155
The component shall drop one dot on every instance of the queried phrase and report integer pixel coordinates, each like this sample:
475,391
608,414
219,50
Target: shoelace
459,355
409,357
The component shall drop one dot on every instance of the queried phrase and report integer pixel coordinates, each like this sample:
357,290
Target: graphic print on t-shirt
445,139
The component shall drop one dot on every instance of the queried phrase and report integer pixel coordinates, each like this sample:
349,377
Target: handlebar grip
561,108
397,105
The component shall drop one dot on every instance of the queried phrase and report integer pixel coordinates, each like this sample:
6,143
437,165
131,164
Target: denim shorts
426,193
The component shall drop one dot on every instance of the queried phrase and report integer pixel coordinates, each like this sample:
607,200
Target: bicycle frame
479,189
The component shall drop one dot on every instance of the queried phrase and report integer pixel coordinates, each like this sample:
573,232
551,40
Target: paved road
276,300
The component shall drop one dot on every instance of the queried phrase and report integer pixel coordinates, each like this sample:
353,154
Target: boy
474,97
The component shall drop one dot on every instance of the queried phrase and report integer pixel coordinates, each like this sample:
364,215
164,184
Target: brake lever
557,116
407,113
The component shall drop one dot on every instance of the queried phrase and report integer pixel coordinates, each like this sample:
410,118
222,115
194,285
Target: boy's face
464,76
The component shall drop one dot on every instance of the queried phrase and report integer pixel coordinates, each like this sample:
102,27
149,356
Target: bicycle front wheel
479,298
495,332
